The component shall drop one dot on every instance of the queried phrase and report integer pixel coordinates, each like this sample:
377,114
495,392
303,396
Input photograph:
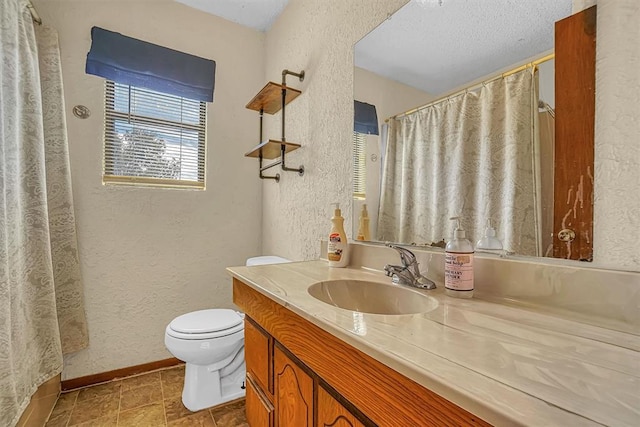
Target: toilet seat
206,324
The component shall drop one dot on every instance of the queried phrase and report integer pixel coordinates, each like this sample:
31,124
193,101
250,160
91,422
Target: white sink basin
372,297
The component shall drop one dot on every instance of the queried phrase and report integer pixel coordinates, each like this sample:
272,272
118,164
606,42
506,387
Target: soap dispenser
458,264
338,247
363,225
489,241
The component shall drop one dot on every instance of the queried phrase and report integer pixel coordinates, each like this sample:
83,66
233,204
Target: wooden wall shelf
271,149
269,99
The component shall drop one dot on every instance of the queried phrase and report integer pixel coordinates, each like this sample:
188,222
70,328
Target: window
359,165
153,138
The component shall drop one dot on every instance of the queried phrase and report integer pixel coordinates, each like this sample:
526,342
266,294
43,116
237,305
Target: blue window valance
138,63
365,118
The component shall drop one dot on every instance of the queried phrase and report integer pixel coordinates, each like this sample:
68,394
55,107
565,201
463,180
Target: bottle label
336,247
458,271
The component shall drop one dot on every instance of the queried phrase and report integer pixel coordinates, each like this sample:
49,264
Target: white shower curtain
473,155
41,300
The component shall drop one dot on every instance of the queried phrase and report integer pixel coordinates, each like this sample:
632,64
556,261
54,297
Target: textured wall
317,36
578,5
617,135
149,255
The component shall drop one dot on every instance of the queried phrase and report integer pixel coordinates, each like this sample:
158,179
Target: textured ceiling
256,14
432,45
439,45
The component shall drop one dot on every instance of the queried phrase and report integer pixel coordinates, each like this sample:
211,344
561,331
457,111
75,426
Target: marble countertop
506,364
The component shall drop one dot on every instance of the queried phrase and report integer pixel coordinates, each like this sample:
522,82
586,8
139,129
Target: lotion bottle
338,249
363,225
458,264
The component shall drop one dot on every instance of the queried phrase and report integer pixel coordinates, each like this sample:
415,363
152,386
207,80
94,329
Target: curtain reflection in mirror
475,155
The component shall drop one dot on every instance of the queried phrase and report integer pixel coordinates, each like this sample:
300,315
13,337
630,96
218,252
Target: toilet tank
268,259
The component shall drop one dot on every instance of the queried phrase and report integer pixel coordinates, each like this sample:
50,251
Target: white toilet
211,342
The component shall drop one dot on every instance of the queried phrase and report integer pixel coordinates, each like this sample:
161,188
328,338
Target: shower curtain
473,155
41,301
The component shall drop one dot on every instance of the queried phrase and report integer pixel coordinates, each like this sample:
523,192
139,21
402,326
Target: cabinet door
332,414
293,393
258,408
257,350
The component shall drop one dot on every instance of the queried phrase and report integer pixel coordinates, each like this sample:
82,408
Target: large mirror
434,53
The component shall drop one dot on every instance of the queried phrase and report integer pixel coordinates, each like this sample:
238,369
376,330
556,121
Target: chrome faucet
409,272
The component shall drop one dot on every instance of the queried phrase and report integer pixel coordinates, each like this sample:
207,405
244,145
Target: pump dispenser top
459,232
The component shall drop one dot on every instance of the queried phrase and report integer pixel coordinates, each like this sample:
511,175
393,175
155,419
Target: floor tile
62,411
140,396
59,418
172,373
172,389
141,381
91,409
201,419
138,402
42,408
92,392
24,418
229,406
106,421
225,417
146,416
172,382
66,401
175,409
48,388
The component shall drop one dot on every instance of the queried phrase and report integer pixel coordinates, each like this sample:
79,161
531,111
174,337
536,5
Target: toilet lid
206,321
264,260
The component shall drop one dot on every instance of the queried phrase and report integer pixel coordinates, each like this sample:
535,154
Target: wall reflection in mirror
481,143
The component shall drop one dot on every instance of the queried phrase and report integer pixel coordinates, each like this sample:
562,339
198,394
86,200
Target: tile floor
152,399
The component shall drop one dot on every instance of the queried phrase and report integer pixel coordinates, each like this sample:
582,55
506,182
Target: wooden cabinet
332,414
305,373
280,390
259,409
293,392
575,74
258,351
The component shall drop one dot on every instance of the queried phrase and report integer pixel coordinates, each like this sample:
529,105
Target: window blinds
153,138
359,165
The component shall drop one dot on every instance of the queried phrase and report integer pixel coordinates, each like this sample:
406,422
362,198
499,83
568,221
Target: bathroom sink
372,297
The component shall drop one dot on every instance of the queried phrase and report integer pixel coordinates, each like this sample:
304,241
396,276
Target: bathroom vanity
296,371
461,362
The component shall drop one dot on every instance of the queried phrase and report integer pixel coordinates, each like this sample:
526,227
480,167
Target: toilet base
204,388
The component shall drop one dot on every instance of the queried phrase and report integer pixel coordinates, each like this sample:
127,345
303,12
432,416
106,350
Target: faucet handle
409,273
388,270
406,255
